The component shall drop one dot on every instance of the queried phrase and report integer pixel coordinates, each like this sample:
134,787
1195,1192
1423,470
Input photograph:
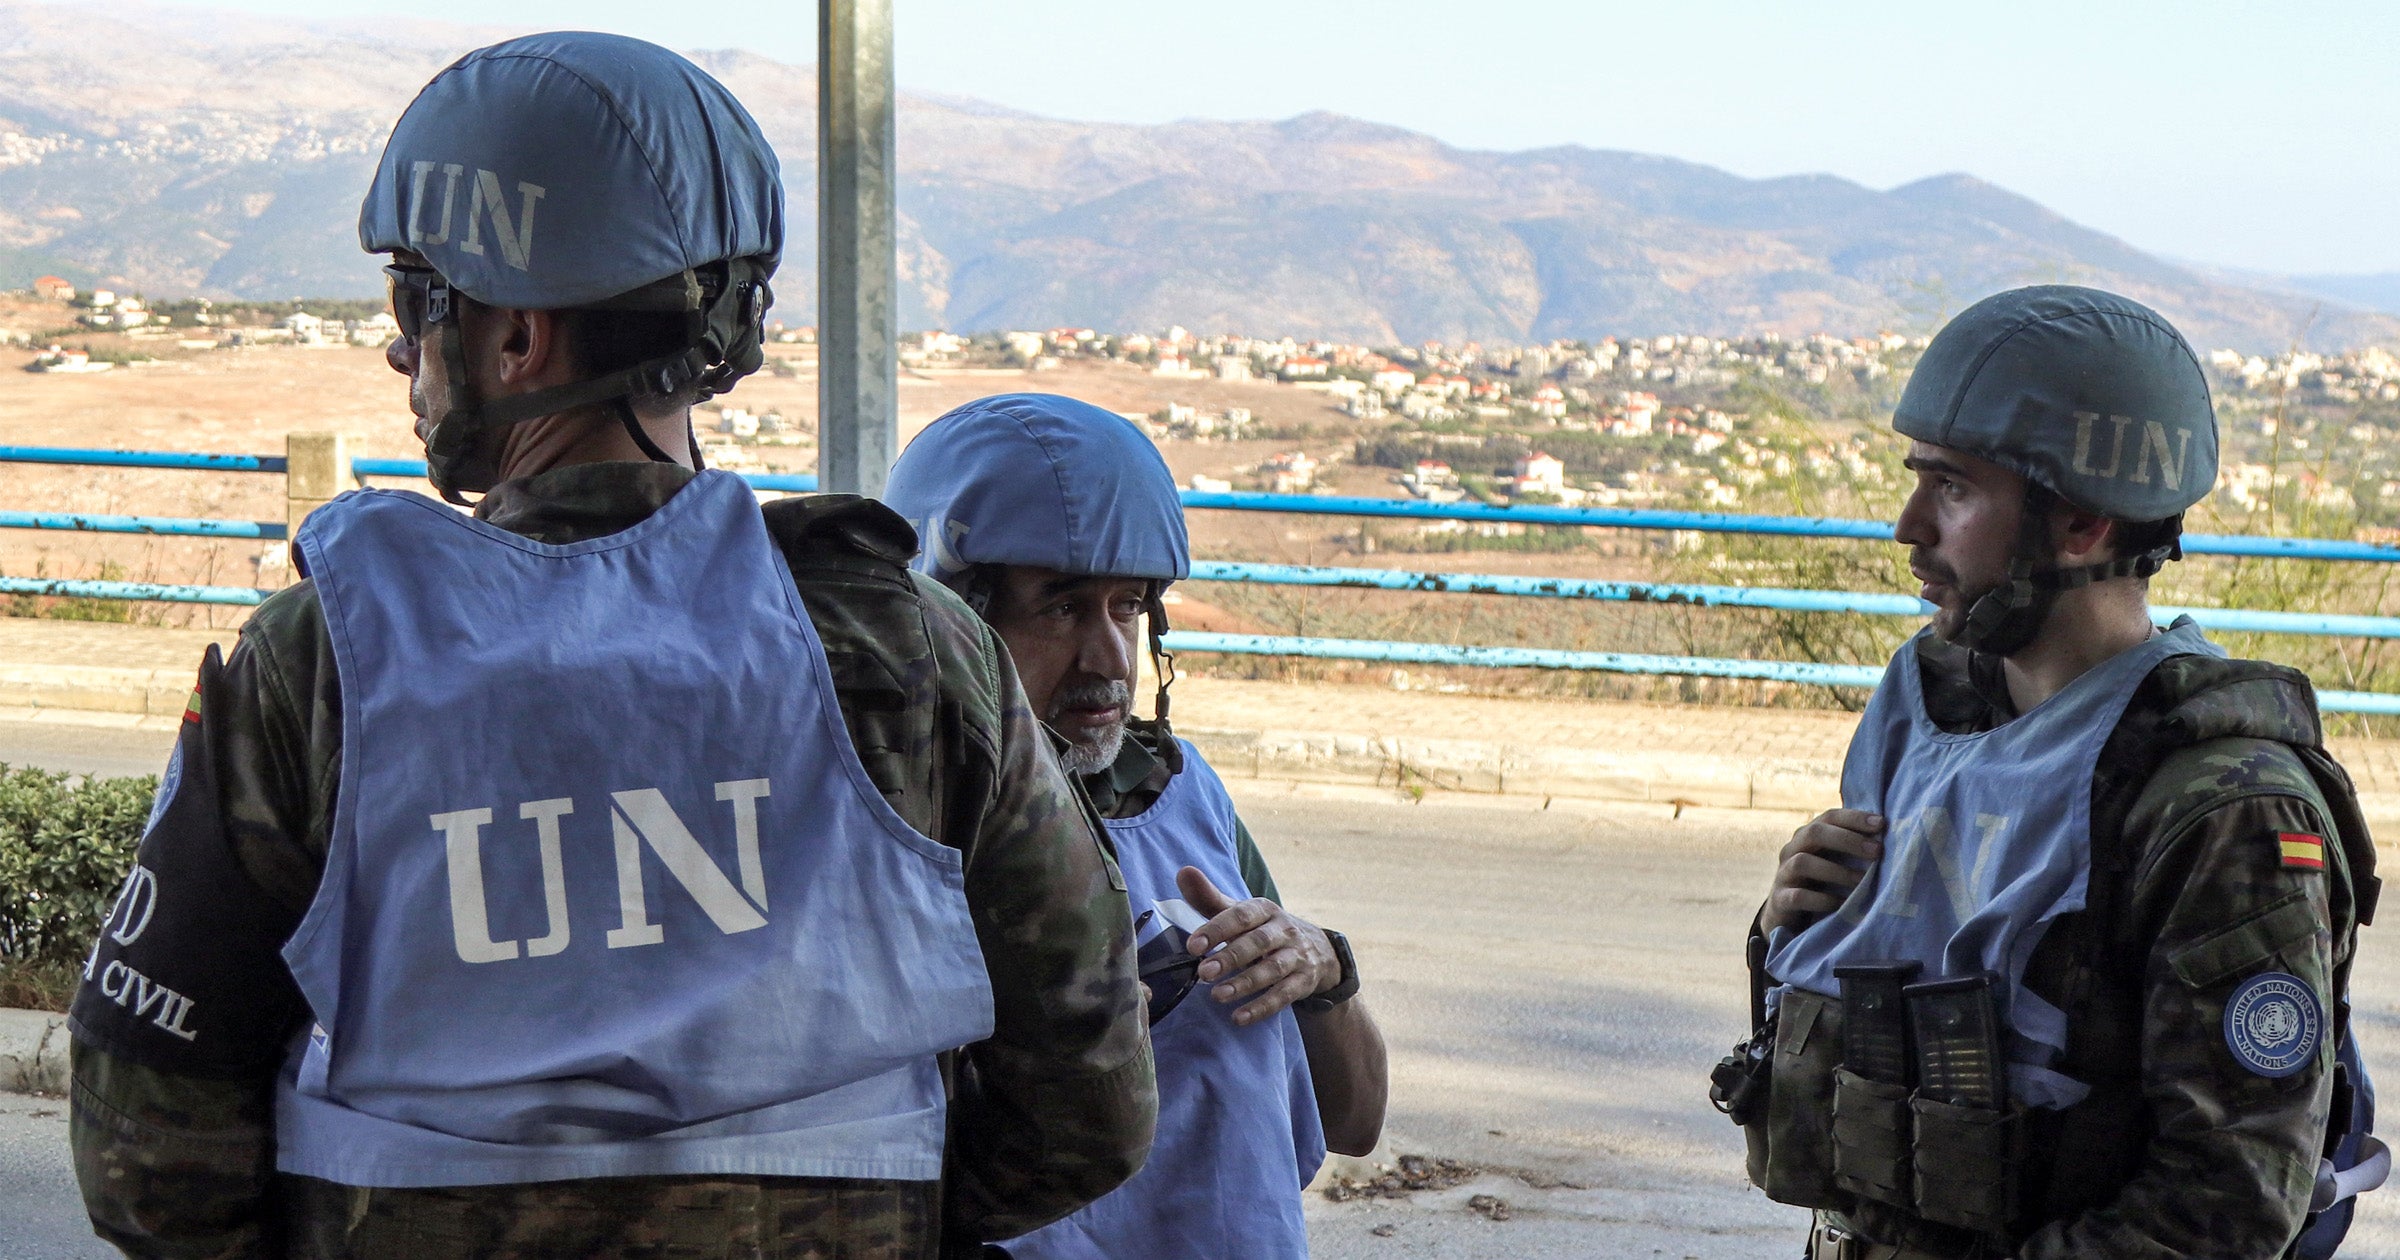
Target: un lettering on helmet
487,201
2156,452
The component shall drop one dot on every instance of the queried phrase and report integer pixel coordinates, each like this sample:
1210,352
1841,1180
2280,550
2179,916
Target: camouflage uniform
1051,1112
2179,1150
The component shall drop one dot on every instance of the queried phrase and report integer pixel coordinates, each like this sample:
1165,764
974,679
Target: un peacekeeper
2062,978
611,872
1060,523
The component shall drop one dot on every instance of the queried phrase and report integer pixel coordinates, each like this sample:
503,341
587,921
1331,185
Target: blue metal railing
797,483
141,459
155,591
191,527
1737,596
2375,702
2321,549
361,469
1326,505
194,527
1730,523
1525,658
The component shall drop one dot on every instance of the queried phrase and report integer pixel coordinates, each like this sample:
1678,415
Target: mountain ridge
180,151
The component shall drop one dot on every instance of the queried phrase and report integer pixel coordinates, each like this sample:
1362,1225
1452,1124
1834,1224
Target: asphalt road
84,749
40,1217
1554,985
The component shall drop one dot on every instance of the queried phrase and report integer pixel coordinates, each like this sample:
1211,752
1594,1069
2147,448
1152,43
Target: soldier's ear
531,346
2080,534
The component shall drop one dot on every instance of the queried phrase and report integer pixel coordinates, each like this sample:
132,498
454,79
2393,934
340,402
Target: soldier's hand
1269,953
1824,861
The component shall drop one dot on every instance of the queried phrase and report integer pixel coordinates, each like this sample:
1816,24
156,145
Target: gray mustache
1091,695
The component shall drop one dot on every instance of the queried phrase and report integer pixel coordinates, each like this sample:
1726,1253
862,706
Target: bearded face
1960,525
1075,641
1093,740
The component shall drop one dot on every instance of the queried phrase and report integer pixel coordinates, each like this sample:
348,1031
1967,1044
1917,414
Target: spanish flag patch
2302,850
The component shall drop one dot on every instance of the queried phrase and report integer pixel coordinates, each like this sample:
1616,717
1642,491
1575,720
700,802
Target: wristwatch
1343,989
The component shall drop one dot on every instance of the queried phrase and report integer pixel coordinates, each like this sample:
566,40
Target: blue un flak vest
1238,1132
1987,841
609,893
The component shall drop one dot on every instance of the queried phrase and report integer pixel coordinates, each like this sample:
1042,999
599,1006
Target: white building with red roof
1540,473
1303,367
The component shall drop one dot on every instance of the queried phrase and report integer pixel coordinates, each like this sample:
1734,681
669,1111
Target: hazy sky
2251,135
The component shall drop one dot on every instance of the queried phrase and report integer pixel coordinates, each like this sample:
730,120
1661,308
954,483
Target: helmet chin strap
723,318
452,460
2004,619
1162,662
2007,618
641,437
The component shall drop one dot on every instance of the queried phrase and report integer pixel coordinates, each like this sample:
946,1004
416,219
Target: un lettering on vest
2153,451
1932,835
637,819
486,199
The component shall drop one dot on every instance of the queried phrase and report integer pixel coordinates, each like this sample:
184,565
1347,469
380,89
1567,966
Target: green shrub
65,845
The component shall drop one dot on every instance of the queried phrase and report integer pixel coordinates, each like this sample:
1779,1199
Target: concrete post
316,468
858,282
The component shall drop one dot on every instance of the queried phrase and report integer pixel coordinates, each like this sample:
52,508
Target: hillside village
208,135
1758,424
1763,424
195,324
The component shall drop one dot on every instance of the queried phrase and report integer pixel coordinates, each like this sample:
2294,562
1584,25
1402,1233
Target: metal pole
858,282
314,472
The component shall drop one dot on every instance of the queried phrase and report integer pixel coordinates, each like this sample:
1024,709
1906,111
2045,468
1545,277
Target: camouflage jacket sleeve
2233,1152
173,1166
1058,1106
173,1139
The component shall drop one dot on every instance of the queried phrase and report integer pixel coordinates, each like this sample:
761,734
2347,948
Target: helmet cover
1041,480
2093,396
562,169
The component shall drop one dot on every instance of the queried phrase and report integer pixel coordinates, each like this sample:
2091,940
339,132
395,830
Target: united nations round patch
2273,1023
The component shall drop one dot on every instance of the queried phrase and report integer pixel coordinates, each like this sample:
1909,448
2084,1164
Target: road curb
1404,764
33,1052
96,689
155,698
1415,766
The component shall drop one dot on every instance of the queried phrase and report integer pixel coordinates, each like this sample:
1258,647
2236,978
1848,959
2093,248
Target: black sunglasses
420,297
1163,965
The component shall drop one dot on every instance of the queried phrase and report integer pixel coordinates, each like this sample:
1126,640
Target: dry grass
2297,508
37,986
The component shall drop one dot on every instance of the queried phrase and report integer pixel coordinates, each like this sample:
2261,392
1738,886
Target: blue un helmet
575,170
2098,402
1051,482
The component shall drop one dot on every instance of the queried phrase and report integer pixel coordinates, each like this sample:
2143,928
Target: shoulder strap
2340,802
2186,783
848,556
846,530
